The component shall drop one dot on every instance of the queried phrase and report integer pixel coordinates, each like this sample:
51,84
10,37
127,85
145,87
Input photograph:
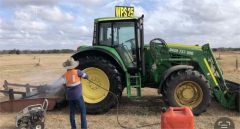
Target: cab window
105,34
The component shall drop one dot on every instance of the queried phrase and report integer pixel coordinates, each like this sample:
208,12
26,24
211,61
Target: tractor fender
169,71
109,53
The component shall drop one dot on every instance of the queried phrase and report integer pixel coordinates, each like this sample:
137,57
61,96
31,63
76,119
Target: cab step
133,81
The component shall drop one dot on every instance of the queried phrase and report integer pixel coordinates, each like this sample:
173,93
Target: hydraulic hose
115,96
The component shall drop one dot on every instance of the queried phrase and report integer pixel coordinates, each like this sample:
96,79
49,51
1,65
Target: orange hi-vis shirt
73,83
72,78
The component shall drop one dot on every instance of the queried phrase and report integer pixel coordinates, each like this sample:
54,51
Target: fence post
11,94
236,63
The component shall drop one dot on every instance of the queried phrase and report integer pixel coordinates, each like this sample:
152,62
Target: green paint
179,45
160,58
110,50
134,82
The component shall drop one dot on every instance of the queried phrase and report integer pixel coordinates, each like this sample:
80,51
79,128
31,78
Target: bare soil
132,113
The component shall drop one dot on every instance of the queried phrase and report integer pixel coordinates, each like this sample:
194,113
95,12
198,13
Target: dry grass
228,65
26,68
23,69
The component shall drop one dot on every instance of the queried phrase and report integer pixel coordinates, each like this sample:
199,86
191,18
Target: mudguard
105,51
169,71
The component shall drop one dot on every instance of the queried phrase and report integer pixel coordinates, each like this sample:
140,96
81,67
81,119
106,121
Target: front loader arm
213,67
224,91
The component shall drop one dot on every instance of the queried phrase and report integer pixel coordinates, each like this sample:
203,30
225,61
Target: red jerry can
177,118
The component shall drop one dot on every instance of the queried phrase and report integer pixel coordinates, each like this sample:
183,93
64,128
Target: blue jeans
72,106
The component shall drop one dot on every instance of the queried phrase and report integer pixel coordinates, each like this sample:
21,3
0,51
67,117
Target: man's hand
82,74
86,77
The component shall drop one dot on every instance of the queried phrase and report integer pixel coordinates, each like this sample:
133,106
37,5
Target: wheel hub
188,93
95,80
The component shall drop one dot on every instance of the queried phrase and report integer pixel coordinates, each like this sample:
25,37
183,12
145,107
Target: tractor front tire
188,88
102,72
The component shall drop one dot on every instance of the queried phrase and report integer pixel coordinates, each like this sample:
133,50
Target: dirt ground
45,68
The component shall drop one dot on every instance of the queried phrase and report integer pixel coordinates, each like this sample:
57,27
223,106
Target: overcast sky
58,24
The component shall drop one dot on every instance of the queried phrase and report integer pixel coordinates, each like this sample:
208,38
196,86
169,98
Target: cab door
125,42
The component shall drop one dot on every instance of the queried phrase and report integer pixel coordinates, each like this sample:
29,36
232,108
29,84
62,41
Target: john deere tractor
185,75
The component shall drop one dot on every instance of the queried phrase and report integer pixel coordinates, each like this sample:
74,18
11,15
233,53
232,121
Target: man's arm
82,74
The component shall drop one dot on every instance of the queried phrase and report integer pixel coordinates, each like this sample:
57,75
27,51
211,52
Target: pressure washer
32,117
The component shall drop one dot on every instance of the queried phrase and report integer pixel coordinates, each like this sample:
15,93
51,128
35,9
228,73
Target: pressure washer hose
115,96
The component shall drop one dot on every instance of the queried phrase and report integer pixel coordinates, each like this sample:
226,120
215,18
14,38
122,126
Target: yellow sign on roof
124,11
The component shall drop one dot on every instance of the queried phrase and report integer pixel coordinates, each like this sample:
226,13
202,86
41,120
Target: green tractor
184,75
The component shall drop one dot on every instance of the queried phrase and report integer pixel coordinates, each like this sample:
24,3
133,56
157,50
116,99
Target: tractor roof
115,19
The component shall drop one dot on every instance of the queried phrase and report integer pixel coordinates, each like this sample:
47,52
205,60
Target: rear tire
188,88
114,78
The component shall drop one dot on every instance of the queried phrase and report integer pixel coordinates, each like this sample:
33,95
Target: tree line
226,49
17,51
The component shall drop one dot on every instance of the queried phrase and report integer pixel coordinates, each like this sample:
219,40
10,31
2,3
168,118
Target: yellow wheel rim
188,93
91,92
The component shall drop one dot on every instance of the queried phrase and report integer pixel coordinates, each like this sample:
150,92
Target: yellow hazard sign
124,11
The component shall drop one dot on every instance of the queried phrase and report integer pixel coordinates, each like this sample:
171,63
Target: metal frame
8,90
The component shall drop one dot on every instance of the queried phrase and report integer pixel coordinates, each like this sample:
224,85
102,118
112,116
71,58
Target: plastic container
177,118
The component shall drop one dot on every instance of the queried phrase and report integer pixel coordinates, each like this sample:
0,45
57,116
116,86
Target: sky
67,24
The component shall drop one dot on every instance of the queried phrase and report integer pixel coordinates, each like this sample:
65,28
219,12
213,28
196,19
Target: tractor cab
125,35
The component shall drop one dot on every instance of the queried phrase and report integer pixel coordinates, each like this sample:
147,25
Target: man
74,91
